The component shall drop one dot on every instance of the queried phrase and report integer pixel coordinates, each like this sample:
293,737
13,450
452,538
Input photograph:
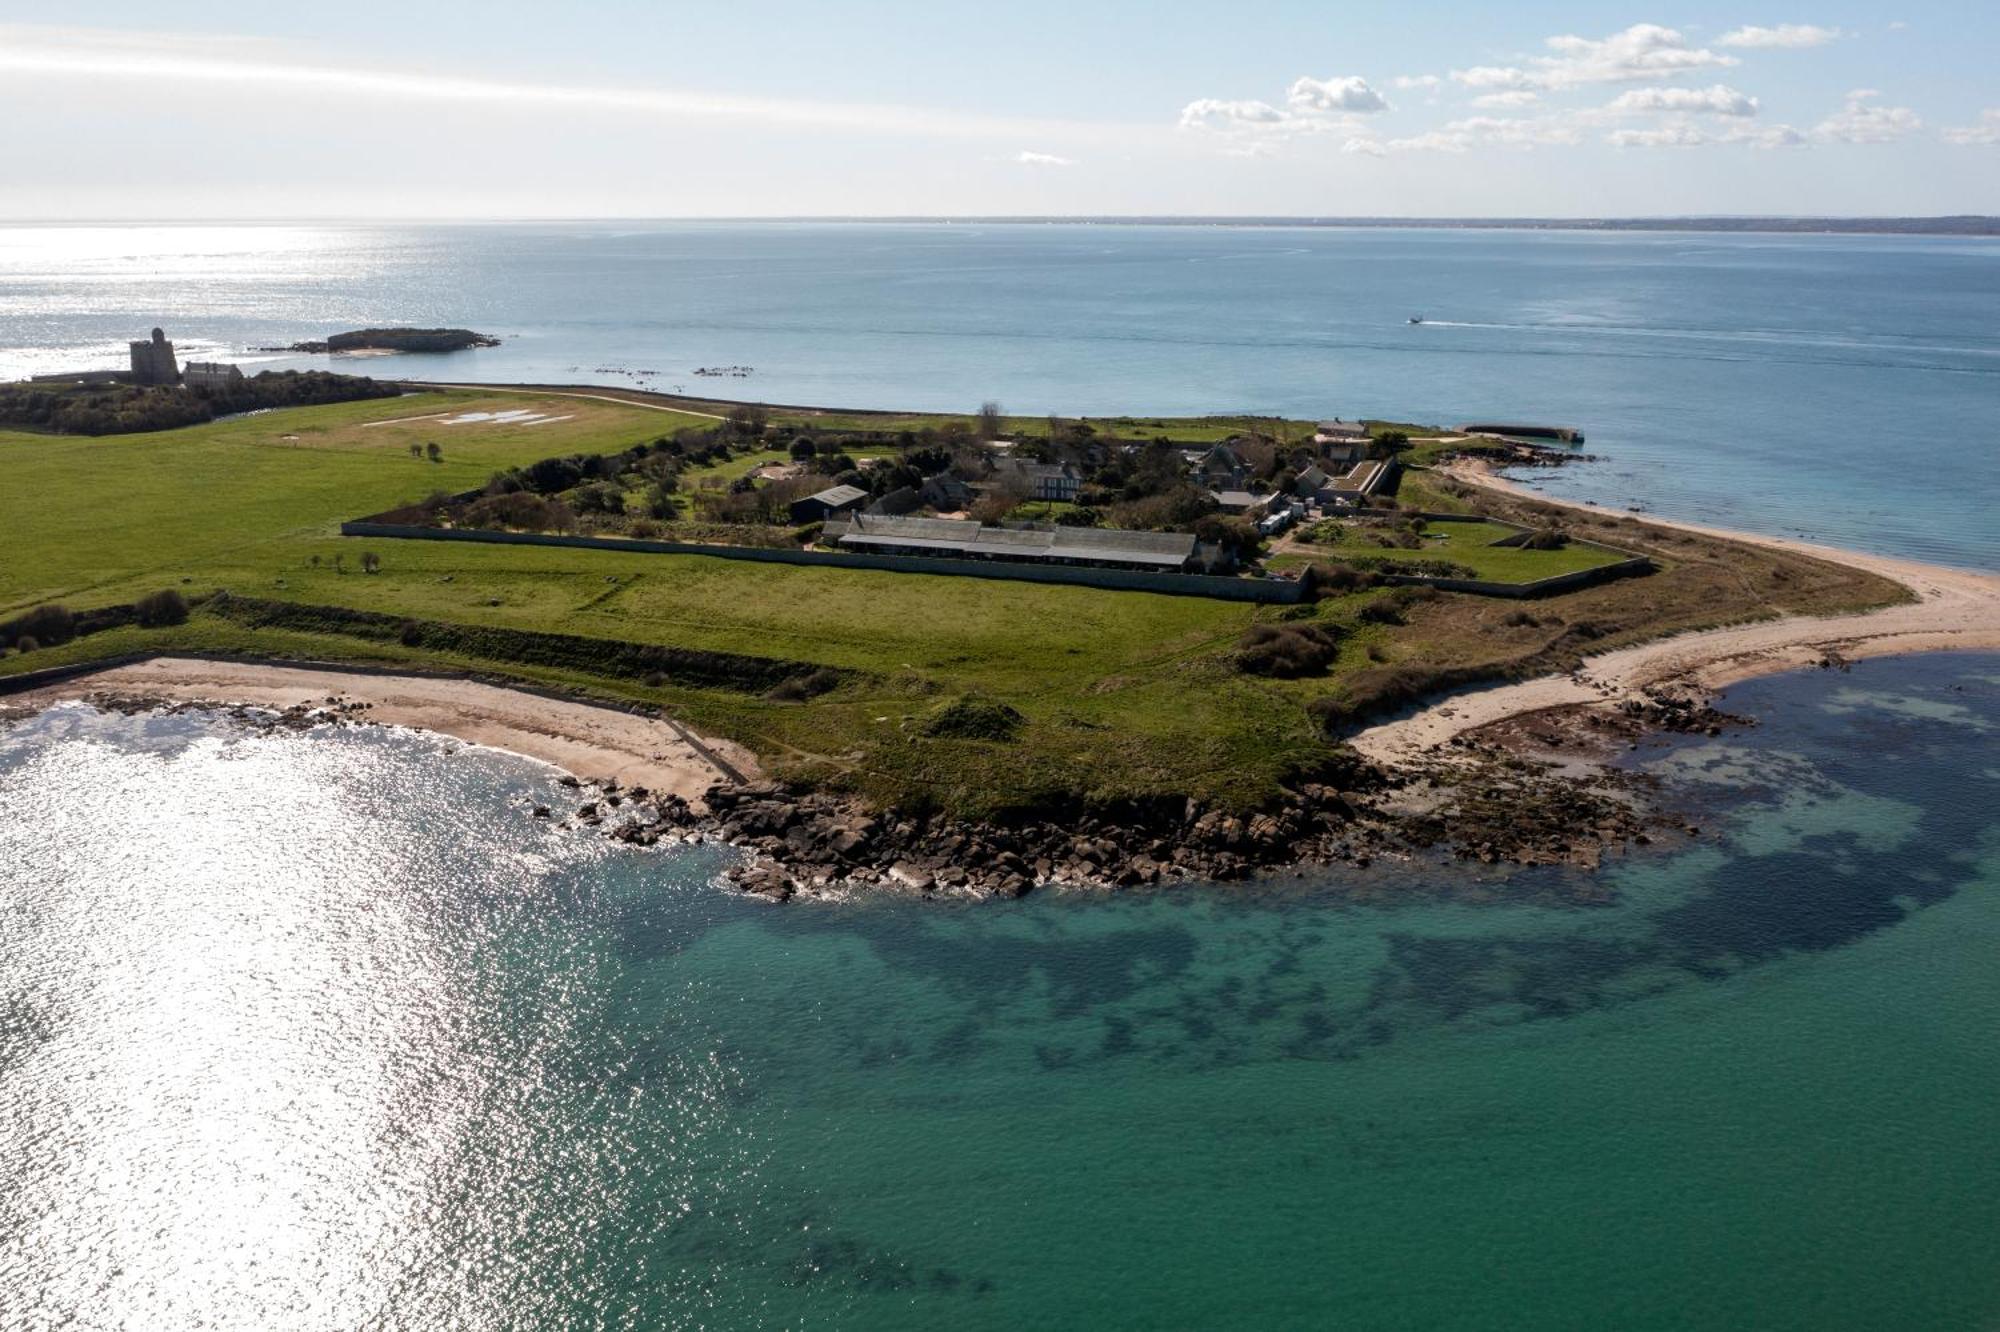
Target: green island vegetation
399,340
971,695
119,409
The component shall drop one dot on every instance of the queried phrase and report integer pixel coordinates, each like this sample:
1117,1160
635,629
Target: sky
739,108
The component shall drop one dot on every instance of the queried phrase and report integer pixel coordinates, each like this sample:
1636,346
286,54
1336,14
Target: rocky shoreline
1534,790
1494,800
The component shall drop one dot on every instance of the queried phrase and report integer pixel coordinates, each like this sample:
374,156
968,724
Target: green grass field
1125,694
250,505
1467,544
90,521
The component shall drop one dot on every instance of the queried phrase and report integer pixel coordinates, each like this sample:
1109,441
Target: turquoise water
322,1030
1837,387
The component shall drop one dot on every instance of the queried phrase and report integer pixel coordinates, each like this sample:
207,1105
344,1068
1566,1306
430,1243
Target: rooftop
837,495
960,537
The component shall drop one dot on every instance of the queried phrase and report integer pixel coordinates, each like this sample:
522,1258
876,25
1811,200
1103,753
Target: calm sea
1841,388
274,1052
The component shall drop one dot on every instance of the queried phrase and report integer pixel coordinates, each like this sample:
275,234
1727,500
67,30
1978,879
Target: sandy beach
1956,609
592,743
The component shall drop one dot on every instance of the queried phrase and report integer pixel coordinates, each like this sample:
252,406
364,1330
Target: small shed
817,508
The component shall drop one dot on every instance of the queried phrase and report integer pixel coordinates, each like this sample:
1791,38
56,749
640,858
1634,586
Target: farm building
212,375
1340,432
960,539
1040,481
817,508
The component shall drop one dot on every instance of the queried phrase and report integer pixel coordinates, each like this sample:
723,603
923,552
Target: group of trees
48,626
116,409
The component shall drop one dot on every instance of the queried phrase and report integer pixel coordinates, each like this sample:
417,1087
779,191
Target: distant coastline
1969,224
1953,224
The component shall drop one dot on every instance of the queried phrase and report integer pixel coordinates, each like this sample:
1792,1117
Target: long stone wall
1265,591
1542,587
1272,591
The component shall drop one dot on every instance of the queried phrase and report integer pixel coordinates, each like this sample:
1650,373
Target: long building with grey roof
961,539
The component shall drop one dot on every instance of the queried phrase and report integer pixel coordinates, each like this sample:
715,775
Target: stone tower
153,362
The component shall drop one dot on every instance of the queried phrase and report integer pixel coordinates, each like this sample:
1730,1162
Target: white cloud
1768,136
1516,97
1685,132
1495,76
1715,101
1785,36
1522,133
1642,51
1216,113
1363,147
1987,131
1862,120
1027,157
271,69
1350,94
1675,134
1409,81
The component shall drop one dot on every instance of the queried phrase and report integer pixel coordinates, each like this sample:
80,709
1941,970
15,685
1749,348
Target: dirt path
1955,609
590,742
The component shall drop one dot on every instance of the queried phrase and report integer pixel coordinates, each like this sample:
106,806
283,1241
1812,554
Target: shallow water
323,1030
1836,387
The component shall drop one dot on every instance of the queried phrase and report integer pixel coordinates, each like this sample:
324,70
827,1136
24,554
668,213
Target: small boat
1416,319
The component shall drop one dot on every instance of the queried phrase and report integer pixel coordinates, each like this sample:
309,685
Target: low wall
1274,591
1265,591
1569,582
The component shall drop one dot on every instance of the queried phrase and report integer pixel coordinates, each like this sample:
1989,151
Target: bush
1322,579
597,497
161,608
26,644
972,718
521,510
799,688
43,626
1287,651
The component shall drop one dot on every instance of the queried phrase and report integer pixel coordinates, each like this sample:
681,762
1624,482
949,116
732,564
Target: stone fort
153,361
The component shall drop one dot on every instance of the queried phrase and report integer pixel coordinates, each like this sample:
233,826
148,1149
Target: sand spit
1956,609
597,744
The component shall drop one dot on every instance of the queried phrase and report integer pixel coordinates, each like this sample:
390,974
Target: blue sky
503,109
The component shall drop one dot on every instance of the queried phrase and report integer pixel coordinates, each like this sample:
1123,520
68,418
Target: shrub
44,626
1287,651
161,608
1338,578
970,717
411,634
26,644
799,688
598,497
519,510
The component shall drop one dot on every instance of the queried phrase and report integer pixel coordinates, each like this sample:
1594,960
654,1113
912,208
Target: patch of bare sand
1956,609
593,743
